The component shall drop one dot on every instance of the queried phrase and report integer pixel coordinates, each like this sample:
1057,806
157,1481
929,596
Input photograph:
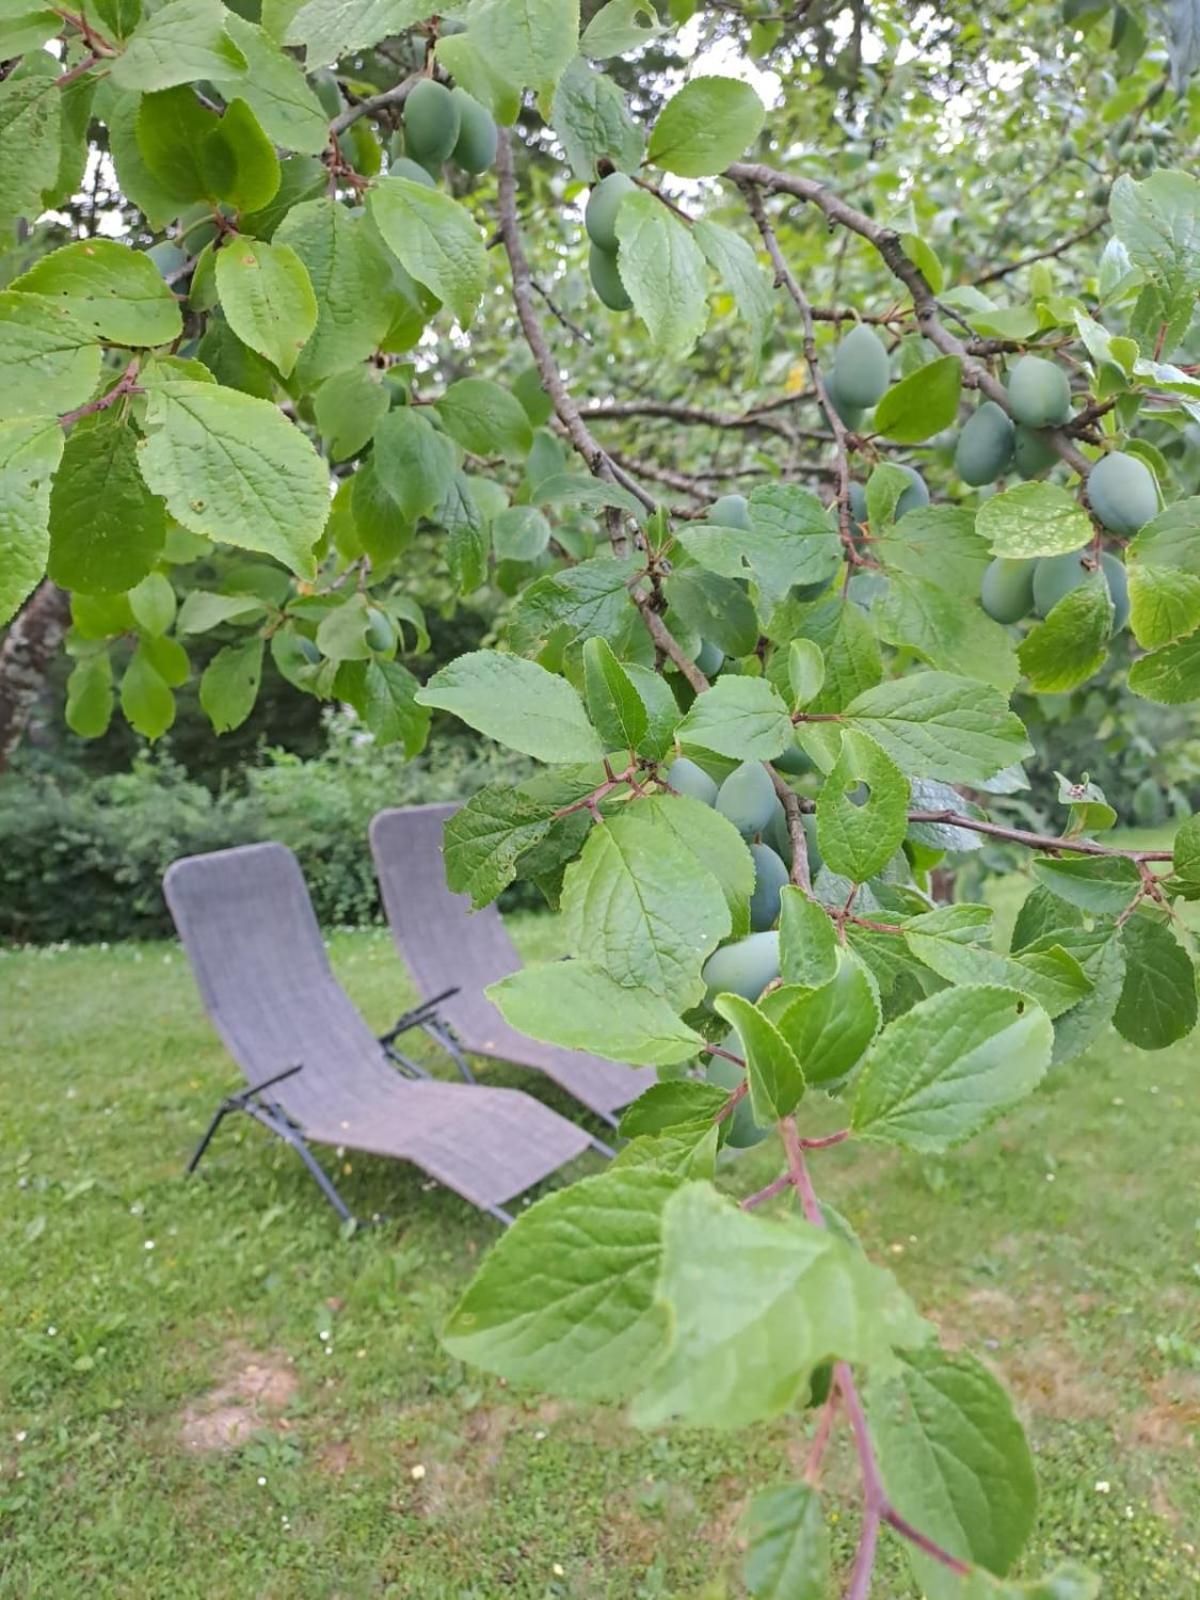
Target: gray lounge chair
316,1072
453,954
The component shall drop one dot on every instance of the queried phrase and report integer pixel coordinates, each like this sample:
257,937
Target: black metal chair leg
439,1031
405,1063
219,1116
324,1182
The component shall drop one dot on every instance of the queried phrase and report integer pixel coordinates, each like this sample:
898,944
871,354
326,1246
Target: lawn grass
206,1391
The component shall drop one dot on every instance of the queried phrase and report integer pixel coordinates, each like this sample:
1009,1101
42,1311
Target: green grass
1063,1246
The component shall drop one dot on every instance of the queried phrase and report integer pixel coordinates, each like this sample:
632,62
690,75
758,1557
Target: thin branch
1050,843
124,385
593,453
841,434
790,801
395,96
1042,255
751,175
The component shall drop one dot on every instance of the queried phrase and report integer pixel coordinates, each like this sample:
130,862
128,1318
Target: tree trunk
25,656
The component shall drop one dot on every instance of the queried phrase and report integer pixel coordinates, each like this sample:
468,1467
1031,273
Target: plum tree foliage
931,383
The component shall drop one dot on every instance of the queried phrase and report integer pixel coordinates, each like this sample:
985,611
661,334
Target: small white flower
149,1245
22,1436
417,1472
558,1569
1102,1486
52,1331
262,1483
324,1334
1049,1177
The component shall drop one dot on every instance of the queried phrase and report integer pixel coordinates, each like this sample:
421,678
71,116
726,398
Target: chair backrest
251,936
443,942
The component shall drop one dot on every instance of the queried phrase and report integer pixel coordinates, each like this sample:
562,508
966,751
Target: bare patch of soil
253,1396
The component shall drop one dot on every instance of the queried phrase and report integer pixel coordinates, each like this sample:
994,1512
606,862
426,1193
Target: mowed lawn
205,1390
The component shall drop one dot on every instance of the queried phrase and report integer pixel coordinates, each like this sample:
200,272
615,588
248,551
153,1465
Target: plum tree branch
1050,843
877,1509
395,96
841,435
755,176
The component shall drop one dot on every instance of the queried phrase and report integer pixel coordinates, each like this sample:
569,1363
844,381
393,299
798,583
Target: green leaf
664,273
90,696
467,546
735,263
434,239
829,1027
716,846
1101,958
576,488
581,1007
742,718
951,941
267,297
590,116
1072,643
49,360
106,528
350,277
859,836
1158,1002
152,602
772,1070
682,1154
238,161
30,450
682,1103
564,1300
117,292
1171,676
201,610
955,1464
590,598
850,645
793,541
146,700
613,703
620,26
1185,877
1158,222
1033,519
485,419
413,461
229,684
941,1072
806,671
484,839
754,1305
24,27
517,703
638,904
520,533
808,953
348,408
31,125
1103,884
946,629
234,469
390,707
788,1558
172,130
934,725
714,608
180,42
939,544
1164,604
526,42
922,404
330,29
275,90
704,126
1171,539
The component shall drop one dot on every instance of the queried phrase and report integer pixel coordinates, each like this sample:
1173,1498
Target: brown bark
25,656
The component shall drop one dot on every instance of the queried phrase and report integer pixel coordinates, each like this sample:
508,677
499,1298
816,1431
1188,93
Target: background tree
889,420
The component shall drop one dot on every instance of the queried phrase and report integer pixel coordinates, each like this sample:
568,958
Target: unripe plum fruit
747,798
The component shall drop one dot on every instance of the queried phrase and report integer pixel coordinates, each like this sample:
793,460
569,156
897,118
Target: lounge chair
314,1068
453,954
